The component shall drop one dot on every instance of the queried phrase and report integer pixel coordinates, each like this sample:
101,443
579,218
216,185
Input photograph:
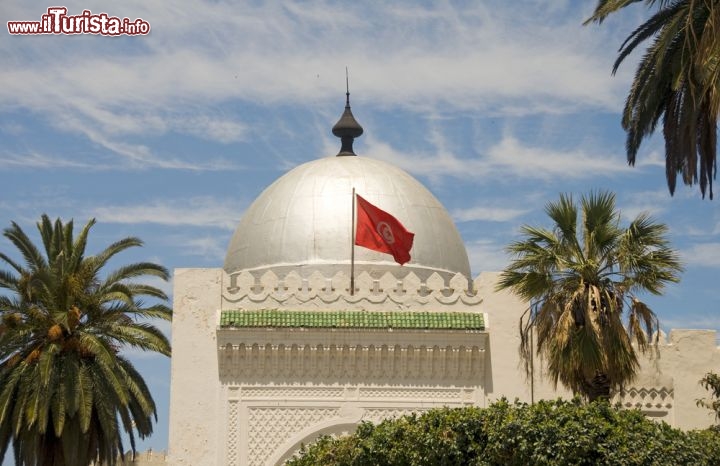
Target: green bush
547,433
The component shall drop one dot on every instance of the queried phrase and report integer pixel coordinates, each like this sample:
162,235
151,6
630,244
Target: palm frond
142,336
677,80
662,20
606,7
101,259
32,255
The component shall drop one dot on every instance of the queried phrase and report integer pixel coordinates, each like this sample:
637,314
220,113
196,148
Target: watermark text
57,21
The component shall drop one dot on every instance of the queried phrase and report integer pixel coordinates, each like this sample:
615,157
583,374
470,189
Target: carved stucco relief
269,427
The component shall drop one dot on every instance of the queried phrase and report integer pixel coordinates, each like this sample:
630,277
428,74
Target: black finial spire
347,88
347,128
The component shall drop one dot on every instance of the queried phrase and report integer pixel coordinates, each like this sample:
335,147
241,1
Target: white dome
303,222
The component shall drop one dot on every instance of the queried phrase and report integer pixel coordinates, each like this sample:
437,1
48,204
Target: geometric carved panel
655,402
270,427
233,430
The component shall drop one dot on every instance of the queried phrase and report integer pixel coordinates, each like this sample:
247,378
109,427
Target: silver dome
303,222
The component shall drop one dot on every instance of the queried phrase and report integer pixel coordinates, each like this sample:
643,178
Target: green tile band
353,319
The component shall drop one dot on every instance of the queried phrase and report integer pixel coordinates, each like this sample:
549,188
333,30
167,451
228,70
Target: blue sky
496,106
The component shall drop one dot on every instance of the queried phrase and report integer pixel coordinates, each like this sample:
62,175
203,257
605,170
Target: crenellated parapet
249,291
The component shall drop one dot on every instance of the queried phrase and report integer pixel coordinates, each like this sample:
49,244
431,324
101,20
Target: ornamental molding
291,393
289,338
255,363
271,290
402,394
361,393
377,415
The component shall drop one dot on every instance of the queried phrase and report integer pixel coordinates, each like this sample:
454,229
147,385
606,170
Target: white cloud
487,214
37,160
702,255
197,211
486,256
692,321
509,157
12,128
651,202
475,58
140,156
214,129
650,159
513,157
209,247
428,164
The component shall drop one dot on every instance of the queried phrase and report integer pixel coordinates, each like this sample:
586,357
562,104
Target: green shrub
547,433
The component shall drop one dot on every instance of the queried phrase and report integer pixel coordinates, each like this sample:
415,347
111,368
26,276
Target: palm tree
65,391
580,278
677,79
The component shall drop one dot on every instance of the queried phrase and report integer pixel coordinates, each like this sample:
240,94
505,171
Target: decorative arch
309,435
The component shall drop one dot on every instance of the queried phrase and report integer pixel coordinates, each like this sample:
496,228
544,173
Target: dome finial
347,88
347,128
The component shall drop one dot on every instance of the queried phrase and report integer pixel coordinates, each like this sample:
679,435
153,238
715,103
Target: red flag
380,231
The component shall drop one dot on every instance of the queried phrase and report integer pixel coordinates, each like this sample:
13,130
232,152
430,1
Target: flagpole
352,247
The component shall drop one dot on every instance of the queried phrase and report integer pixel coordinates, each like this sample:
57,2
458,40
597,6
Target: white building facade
276,348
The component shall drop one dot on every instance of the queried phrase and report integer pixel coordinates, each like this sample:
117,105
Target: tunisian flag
380,231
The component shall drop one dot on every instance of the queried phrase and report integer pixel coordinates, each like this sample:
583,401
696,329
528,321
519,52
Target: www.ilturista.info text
57,21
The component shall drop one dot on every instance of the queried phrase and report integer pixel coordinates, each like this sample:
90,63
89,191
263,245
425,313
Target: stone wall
244,396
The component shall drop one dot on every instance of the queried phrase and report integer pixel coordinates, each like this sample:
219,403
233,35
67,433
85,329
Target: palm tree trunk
598,388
